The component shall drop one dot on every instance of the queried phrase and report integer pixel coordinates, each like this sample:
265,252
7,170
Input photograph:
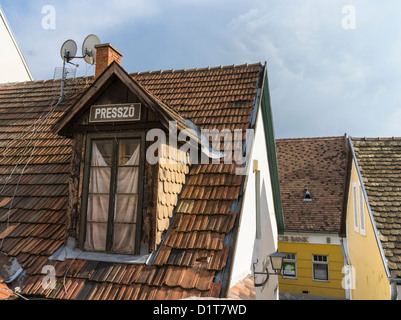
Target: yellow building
312,181
372,222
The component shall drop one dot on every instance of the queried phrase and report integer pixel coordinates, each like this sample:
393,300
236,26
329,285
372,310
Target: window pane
127,180
129,153
320,272
100,180
289,269
102,151
124,238
98,208
354,196
96,236
362,208
126,208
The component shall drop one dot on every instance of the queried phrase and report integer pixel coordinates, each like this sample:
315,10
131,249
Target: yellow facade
304,282
370,280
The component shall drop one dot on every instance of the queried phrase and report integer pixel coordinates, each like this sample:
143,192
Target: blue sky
325,80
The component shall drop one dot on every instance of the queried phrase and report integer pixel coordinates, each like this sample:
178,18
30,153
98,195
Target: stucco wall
248,249
12,64
370,276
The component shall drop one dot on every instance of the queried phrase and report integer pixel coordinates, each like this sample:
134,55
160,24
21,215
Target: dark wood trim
118,127
85,192
112,195
140,194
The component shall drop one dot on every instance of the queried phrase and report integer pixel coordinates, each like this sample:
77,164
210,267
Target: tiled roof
244,289
379,161
5,292
33,202
319,166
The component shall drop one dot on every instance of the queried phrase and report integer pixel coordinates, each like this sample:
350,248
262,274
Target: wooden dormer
107,125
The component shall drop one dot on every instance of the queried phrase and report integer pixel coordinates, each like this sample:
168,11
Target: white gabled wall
13,67
249,250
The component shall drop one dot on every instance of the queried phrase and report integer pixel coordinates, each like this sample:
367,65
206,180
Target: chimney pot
105,55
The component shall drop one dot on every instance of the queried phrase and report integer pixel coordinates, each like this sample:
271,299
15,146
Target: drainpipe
257,200
394,283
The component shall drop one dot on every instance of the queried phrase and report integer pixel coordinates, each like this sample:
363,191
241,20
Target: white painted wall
249,250
13,67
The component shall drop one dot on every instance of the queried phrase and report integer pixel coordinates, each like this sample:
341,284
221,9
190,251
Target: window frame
290,261
326,263
85,189
355,206
361,211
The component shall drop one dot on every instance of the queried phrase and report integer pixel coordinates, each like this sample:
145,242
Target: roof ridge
310,138
10,84
376,139
233,66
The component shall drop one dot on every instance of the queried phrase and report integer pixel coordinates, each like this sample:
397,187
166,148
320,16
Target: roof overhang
164,112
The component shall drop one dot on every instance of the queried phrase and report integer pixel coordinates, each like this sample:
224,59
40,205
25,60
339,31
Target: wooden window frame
361,211
355,206
326,263
85,188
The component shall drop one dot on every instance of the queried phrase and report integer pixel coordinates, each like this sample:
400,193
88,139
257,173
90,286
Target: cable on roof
23,155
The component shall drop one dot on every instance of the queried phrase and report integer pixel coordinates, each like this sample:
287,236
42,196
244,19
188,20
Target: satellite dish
89,50
68,50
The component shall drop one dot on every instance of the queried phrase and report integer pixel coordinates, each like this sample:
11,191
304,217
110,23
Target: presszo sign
115,113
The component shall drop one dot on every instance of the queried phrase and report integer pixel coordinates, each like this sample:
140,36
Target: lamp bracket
266,273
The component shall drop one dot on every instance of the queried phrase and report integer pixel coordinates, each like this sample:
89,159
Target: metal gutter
267,116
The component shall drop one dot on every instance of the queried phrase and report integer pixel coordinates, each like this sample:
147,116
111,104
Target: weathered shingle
318,165
379,161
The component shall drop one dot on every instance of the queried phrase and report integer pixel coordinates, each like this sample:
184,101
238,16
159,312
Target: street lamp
276,260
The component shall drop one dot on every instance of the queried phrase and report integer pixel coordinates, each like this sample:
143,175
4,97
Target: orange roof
5,292
212,98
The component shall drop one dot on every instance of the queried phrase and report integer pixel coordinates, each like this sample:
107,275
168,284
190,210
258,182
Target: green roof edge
270,139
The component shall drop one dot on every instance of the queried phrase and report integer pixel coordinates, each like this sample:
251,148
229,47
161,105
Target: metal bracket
266,273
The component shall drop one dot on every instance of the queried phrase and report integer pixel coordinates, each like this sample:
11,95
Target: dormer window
112,199
308,196
120,206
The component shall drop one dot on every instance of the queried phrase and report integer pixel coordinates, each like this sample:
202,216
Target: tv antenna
69,51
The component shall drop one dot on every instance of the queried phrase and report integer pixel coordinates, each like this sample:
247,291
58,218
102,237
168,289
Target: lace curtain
126,203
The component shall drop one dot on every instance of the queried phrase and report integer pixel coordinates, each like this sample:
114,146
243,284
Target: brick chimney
105,55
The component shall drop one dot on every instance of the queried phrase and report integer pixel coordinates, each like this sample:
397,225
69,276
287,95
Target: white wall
12,64
249,250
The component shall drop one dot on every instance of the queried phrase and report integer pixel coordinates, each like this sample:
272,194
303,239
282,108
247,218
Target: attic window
308,196
112,195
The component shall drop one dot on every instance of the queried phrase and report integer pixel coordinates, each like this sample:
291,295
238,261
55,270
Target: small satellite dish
88,48
68,50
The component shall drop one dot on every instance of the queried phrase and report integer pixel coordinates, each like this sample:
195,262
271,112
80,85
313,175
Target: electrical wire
45,120
68,269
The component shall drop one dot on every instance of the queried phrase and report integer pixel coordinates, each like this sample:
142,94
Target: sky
334,66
